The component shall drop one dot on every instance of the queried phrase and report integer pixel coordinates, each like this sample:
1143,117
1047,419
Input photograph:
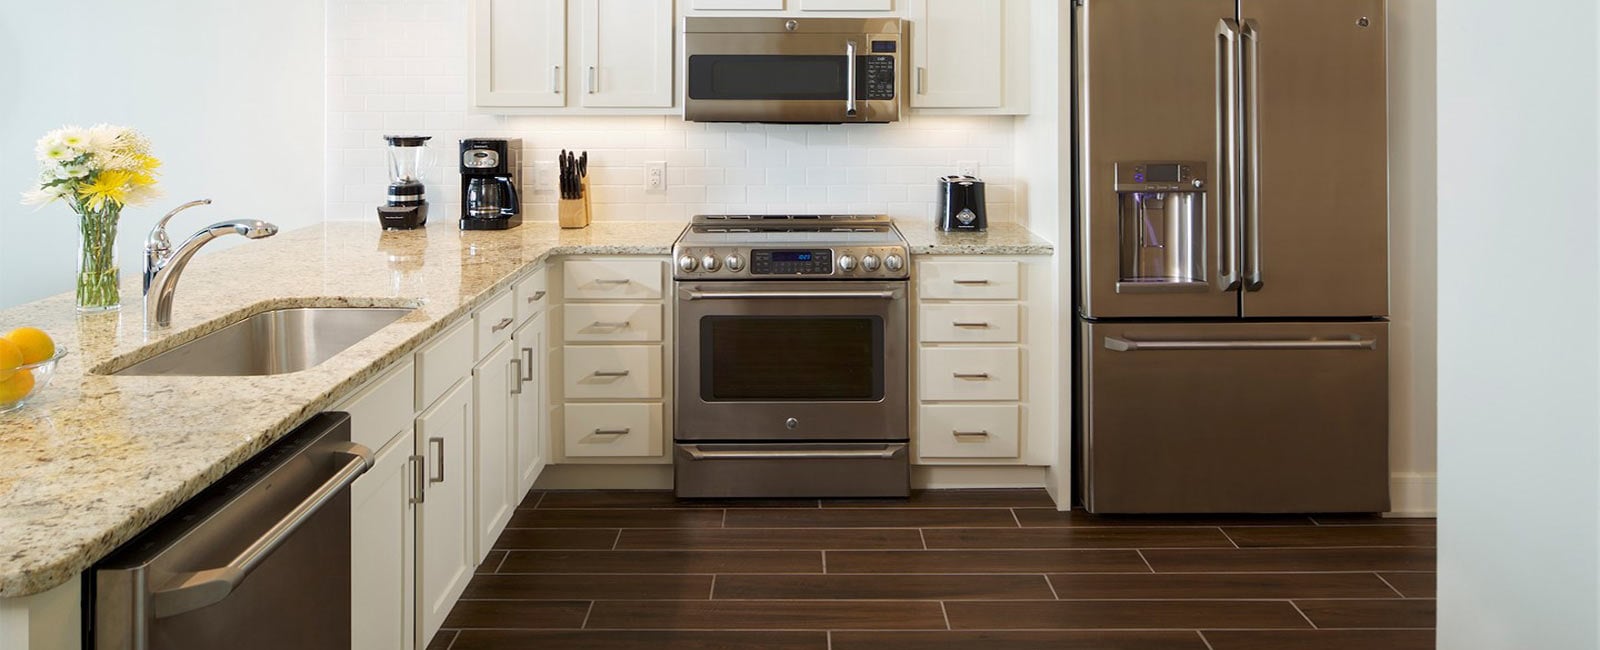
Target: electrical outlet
655,176
544,176
967,168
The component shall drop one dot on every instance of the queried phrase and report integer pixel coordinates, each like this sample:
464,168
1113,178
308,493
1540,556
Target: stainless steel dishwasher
259,560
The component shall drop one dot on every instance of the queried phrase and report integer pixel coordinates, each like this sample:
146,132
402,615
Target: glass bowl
40,373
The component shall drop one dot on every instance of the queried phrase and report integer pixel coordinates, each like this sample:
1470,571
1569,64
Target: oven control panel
799,263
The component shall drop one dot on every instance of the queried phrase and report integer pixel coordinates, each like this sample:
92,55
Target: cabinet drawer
384,407
494,321
610,430
613,372
531,294
968,431
985,323
945,280
612,323
975,374
444,362
612,279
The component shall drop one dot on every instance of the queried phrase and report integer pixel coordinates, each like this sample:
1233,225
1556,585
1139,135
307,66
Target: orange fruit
36,346
10,358
16,387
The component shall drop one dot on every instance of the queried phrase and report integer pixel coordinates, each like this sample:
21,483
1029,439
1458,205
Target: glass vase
98,274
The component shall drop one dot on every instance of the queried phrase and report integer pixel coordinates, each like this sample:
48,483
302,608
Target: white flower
44,195
103,139
74,171
74,137
60,153
142,194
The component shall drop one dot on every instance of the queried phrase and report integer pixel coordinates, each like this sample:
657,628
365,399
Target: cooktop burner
790,246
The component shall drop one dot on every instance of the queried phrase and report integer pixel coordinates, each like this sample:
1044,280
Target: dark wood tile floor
944,570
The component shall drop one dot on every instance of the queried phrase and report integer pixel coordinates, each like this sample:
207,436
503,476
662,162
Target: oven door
791,361
792,78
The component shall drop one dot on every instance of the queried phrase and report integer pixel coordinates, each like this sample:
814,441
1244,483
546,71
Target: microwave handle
850,79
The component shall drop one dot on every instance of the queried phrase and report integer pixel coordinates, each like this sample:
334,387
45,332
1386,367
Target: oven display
791,262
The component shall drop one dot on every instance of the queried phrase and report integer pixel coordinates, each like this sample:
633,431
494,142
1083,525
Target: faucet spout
163,268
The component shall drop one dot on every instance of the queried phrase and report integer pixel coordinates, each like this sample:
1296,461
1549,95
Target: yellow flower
148,164
110,185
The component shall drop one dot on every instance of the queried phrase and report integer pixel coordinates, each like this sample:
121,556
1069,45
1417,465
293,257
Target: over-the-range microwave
792,70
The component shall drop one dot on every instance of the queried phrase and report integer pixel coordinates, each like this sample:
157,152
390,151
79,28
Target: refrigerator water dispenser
1162,224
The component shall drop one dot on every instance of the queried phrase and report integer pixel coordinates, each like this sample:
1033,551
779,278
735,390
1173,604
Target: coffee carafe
491,177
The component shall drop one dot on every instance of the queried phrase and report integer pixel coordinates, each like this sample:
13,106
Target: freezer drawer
1217,417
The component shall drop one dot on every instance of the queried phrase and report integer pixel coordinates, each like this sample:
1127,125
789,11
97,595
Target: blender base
403,217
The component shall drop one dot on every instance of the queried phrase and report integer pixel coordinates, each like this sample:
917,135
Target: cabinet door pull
611,373
972,325
527,364
555,80
418,479
970,434
971,375
439,463
922,80
536,297
516,376
594,80
972,282
504,323
613,432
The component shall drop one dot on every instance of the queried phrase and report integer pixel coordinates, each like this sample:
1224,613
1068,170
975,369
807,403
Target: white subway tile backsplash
401,65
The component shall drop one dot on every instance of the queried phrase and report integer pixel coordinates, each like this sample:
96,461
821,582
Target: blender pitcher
407,207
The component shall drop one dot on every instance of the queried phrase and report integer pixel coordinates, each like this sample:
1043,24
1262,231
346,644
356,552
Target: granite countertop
1002,238
96,459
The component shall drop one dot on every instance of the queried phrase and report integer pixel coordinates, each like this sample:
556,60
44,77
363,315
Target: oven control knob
734,263
870,262
710,262
847,263
893,263
687,263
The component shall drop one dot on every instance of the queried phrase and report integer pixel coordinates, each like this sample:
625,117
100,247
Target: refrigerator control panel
1160,176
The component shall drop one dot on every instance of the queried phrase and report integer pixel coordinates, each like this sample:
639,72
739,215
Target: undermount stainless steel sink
270,343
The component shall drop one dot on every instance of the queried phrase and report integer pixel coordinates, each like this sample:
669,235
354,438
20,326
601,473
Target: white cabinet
446,557
736,5
626,52
530,407
383,518
493,382
519,52
622,51
970,55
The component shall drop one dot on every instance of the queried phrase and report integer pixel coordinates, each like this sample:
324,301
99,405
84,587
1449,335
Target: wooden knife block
575,212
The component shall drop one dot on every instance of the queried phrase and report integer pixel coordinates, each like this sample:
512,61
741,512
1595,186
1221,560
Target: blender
407,208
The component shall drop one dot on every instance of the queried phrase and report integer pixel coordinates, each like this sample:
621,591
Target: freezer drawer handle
191,591
696,453
1163,287
1124,345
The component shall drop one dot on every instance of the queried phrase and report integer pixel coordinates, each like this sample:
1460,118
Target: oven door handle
789,295
696,453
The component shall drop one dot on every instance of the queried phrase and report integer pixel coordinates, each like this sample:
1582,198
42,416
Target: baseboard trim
959,477
1413,494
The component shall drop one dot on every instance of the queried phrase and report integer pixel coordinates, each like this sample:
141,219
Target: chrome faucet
162,265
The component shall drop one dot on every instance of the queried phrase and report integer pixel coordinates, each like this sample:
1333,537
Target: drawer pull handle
613,325
611,373
504,323
970,434
972,282
616,282
613,432
971,375
536,297
972,325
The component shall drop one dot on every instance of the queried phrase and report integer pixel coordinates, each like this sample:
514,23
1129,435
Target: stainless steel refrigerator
1231,245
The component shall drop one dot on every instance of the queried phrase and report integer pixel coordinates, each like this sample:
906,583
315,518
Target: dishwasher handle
192,591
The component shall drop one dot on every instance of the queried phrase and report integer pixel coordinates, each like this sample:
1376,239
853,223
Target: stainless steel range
791,363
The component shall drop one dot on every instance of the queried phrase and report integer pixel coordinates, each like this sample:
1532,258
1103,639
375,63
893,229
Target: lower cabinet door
383,519
531,406
446,557
493,383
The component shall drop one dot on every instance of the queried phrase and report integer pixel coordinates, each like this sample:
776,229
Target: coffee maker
491,178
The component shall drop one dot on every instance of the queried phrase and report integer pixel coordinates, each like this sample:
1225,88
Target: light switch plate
544,176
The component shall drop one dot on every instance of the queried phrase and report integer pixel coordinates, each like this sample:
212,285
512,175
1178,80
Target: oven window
755,77
791,358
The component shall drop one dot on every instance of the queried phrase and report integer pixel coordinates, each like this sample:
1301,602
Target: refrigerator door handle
1117,344
1228,153
1251,46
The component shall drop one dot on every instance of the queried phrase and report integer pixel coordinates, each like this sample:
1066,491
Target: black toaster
961,204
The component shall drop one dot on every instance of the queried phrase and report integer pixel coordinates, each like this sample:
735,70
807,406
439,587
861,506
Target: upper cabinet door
1316,204
519,53
626,54
958,53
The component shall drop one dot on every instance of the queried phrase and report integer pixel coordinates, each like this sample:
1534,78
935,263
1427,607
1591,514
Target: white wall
229,91
1519,325
400,65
